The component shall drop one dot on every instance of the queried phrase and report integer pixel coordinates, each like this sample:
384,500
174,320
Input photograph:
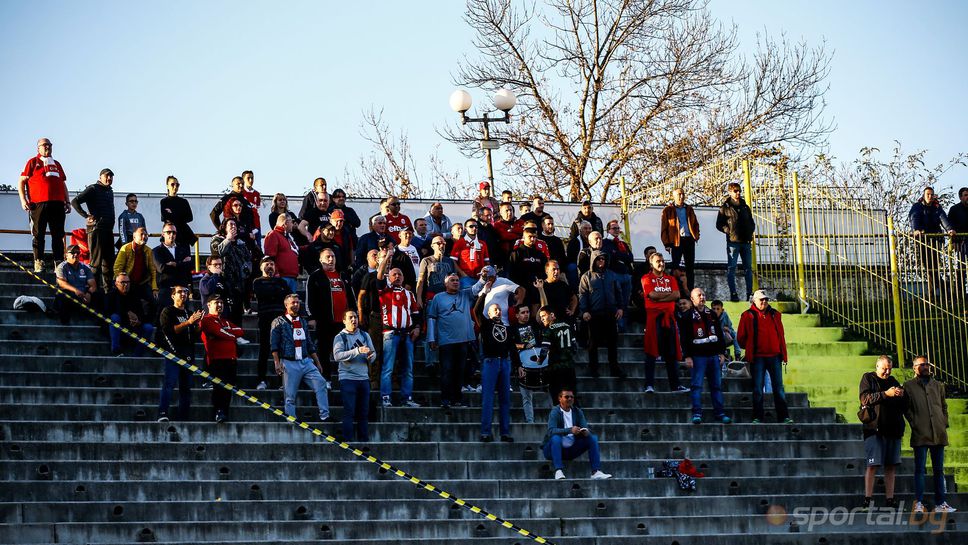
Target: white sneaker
649,390
477,389
411,403
559,474
262,386
599,475
944,508
240,340
918,507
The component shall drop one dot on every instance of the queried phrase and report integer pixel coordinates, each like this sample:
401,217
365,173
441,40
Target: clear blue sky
206,89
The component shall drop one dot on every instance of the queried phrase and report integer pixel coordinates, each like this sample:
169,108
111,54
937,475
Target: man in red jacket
661,292
761,335
280,246
221,353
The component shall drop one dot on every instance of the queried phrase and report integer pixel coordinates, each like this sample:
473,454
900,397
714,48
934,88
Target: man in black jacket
328,297
556,247
99,216
703,344
173,262
735,219
237,193
126,310
587,213
270,292
882,437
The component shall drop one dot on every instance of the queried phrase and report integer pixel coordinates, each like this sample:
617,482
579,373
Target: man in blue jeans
761,335
568,437
450,329
496,370
294,355
400,314
927,411
735,219
703,344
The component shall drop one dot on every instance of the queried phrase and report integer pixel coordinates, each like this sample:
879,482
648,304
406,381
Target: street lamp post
504,100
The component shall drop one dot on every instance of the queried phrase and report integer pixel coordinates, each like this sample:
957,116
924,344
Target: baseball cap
760,294
484,185
267,259
106,171
337,214
73,249
488,272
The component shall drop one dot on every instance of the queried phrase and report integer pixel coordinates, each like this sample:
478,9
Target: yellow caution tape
261,404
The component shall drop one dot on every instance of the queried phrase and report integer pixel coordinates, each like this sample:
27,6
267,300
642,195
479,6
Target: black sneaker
890,503
219,417
507,439
486,439
734,297
162,417
866,505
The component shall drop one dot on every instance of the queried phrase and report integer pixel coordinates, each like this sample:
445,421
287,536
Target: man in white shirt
499,291
568,437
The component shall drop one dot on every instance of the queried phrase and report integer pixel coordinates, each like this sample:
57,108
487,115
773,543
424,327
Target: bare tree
641,88
389,167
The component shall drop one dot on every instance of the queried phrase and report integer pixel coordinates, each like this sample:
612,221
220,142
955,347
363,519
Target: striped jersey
398,307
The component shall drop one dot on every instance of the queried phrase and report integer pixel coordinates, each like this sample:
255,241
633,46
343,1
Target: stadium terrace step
201,412
82,459
431,398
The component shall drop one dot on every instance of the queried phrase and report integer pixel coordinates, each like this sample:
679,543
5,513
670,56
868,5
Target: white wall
644,225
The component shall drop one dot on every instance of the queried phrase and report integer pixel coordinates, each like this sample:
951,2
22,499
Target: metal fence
844,258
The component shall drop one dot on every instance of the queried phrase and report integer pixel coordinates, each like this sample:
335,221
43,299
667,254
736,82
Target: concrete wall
644,225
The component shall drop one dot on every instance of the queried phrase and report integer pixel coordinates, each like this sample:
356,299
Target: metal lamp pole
504,100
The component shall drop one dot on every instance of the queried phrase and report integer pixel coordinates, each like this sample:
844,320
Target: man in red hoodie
221,353
280,246
760,334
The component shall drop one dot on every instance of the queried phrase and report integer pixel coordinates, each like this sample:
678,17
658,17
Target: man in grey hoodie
601,305
354,352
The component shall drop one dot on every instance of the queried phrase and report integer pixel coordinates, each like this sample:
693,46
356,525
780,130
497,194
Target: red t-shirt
470,261
44,182
666,284
338,293
255,199
395,224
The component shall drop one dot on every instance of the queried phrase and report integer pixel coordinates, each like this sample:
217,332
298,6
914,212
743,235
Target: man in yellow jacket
136,261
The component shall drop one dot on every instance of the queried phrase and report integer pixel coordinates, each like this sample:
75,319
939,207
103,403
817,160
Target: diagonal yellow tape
291,419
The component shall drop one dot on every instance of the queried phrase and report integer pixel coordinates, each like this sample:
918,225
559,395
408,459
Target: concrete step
153,378
202,412
372,509
390,430
407,528
428,398
393,488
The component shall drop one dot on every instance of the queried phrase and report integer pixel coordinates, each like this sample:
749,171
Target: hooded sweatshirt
599,291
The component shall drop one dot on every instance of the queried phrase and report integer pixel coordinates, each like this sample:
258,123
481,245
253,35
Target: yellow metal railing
844,258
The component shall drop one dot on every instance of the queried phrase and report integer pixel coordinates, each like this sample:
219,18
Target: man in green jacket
927,411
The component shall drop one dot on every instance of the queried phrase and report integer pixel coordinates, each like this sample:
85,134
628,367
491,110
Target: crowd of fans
492,298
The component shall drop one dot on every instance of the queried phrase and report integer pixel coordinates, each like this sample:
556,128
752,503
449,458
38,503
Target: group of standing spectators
493,300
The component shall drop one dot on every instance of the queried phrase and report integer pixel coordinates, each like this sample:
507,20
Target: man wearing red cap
484,200
345,237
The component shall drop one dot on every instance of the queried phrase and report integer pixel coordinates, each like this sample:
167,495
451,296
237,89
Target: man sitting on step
568,437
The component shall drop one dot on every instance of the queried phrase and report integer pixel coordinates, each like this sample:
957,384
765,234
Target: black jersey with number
557,338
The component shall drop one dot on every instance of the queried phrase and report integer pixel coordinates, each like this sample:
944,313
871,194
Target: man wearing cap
587,213
270,291
437,222
99,217
499,291
280,246
345,237
76,279
43,194
484,200
761,335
